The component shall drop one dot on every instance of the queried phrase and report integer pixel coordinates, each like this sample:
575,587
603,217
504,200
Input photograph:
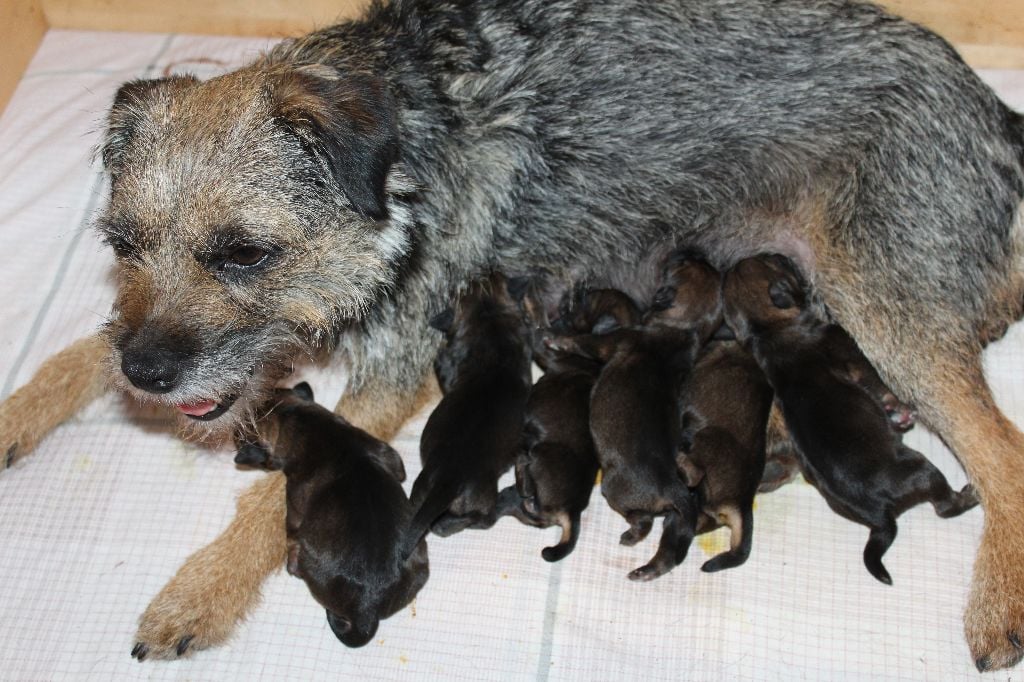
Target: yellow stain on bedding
82,463
715,542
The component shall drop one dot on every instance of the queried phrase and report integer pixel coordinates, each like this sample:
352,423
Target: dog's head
764,292
252,216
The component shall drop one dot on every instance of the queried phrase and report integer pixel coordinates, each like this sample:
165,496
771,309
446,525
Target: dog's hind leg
639,527
955,401
62,386
676,537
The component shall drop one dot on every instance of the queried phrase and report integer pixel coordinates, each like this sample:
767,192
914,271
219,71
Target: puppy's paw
645,573
994,620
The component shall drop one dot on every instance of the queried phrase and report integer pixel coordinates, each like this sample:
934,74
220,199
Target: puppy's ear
253,455
605,324
390,460
347,123
133,104
443,321
783,294
663,298
517,288
303,390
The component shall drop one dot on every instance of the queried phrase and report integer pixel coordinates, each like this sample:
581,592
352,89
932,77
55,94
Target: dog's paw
994,620
197,609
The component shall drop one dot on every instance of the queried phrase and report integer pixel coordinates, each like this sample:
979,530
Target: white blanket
94,523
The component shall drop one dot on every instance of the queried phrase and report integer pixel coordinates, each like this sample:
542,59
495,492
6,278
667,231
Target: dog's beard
223,392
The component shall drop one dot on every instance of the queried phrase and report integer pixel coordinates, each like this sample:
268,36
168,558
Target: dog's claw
1014,640
9,459
982,664
140,650
183,644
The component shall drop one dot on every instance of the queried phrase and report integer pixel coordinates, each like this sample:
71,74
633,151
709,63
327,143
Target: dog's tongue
198,409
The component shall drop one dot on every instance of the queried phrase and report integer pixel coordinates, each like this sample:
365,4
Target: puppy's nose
155,370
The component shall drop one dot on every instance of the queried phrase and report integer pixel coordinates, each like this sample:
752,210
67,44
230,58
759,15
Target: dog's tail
741,529
570,524
431,498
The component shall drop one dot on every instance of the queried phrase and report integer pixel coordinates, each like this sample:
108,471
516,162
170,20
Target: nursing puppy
347,513
634,408
841,433
725,411
335,192
473,434
557,468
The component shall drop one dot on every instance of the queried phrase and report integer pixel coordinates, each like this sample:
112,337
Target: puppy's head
690,296
348,553
763,292
251,216
597,311
266,442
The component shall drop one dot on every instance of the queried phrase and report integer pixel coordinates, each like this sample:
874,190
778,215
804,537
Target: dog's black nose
155,369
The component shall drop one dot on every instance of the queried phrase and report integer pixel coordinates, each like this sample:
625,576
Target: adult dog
335,192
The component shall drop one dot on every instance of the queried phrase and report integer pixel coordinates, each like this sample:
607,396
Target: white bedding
94,523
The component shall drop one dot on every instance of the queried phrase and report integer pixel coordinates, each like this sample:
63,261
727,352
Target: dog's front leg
62,386
218,585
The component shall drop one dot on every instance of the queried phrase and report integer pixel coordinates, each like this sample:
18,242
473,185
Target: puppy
556,470
473,434
840,430
634,408
726,404
347,513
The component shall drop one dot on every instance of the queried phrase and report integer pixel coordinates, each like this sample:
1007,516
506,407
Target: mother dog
334,193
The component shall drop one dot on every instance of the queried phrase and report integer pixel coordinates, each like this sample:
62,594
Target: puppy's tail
741,529
434,497
570,524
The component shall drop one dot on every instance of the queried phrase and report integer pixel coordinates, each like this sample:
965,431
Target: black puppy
726,403
557,468
347,513
841,432
473,434
634,408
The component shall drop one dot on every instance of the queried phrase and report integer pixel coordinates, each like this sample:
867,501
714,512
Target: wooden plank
989,33
24,27
220,17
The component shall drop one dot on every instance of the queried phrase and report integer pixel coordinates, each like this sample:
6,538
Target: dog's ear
133,103
443,321
784,293
303,390
348,124
517,288
253,455
664,297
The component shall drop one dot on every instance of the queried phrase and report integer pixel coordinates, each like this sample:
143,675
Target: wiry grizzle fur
377,165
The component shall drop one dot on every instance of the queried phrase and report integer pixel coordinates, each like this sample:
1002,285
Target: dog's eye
247,256
123,249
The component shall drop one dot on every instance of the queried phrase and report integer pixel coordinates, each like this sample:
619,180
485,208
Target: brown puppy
634,408
840,430
347,513
473,434
726,403
556,470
